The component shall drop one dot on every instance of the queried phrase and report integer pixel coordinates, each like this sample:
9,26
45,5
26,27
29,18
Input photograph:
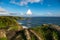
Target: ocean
36,21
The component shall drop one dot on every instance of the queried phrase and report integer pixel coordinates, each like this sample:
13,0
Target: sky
37,7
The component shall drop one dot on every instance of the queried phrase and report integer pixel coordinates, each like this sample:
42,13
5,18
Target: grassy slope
46,33
43,31
9,22
6,21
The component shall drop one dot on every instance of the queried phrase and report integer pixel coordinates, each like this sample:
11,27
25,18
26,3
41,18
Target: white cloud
25,2
21,14
29,12
32,1
22,3
49,14
3,11
46,14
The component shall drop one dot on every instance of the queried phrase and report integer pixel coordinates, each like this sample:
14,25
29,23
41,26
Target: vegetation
3,38
10,23
46,33
55,35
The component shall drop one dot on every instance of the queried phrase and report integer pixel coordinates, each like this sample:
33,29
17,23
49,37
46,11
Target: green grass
3,38
45,33
55,35
13,28
7,21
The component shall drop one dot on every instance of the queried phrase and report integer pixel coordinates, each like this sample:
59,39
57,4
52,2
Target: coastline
12,30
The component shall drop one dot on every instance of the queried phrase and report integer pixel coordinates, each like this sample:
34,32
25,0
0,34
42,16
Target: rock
2,34
45,25
10,34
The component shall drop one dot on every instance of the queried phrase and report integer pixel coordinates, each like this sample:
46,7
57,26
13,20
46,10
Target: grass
55,36
3,38
7,21
13,28
46,33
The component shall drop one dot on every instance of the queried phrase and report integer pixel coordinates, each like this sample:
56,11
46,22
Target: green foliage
3,38
8,21
13,28
43,31
55,35
39,30
33,37
46,33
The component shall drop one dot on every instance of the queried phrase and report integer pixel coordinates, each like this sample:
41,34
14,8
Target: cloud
49,14
29,12
25,2
3,11
21,14
22,3
34,1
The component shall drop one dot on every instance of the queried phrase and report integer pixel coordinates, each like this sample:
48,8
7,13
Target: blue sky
38,7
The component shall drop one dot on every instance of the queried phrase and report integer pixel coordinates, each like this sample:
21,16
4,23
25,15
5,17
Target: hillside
11,30
7,24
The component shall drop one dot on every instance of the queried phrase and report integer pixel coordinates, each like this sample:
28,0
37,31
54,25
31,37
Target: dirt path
27,34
